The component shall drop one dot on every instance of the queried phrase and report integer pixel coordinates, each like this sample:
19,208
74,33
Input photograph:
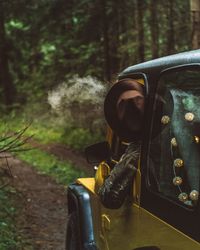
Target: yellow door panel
132,227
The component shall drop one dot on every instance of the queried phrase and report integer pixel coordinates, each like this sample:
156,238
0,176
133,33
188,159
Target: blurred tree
195,18
170,29
140,27
106,44
154,28
5,76
114,34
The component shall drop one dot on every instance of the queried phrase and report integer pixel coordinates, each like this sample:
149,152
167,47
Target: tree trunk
154,28
140,26
106,45
115,44
5,77
170,31
195,21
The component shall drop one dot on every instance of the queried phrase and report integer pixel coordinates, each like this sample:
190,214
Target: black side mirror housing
98,152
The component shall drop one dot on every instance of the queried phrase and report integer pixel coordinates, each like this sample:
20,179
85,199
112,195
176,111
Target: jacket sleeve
116,187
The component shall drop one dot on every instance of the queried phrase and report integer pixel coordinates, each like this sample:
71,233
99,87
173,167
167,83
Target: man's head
124,108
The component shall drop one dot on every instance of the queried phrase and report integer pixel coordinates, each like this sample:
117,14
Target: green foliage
44,132
10,237
63,172
79,138
51,131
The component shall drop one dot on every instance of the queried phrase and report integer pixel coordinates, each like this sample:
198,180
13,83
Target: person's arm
115,188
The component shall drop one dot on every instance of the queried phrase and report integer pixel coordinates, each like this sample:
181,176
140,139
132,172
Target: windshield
174,158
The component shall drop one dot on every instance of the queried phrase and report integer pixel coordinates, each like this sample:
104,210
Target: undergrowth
79,138
10,237
63,172
45,132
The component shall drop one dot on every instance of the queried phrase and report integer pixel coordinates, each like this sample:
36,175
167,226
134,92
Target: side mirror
98,152
123,109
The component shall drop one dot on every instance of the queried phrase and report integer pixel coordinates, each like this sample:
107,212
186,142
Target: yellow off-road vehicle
160,209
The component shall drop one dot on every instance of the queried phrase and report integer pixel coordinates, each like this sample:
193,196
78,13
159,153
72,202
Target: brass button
174,142
178,162
183,197
194,195
165,119
189,116
196,139
177,180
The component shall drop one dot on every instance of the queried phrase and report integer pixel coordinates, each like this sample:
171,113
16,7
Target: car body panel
132,227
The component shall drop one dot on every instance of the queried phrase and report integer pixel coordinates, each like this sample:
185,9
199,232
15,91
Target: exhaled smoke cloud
80,90
79,100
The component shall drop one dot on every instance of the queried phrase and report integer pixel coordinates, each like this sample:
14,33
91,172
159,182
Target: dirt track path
44,213
62,152
44,203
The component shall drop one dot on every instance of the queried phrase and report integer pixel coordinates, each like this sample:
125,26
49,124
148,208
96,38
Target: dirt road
44,203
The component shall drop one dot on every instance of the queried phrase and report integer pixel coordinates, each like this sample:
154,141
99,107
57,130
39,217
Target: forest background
59,57
47,47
